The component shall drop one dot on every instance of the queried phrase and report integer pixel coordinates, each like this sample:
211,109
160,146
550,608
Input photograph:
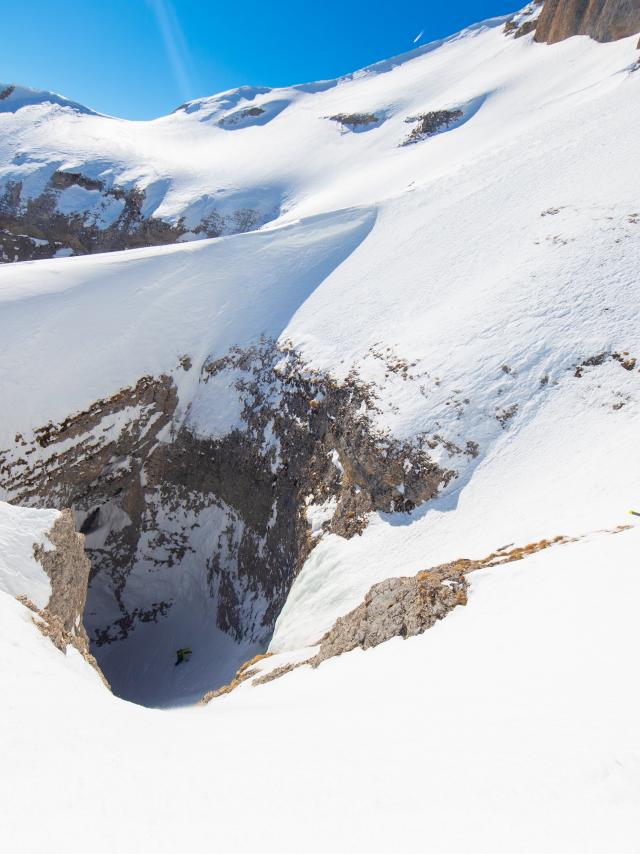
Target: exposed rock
236,118
52,627
110,218
511,28
429,124
524,21
505,414
397,607
68,567
246,671
277,672
400,607
624,359
408,606
603,20
303,440
36,472
525,29
356,121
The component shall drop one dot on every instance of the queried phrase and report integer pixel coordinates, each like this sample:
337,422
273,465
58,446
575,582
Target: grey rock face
603,20
68,567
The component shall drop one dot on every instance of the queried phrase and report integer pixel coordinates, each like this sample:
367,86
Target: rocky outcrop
603,20
357,121
109,218
68,567
430,124
103,218
396,607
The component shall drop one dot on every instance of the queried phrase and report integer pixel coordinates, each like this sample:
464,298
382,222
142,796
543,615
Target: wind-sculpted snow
137,314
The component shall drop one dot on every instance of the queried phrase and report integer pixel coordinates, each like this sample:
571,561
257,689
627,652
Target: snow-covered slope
76,181
21,529
430,352
510,726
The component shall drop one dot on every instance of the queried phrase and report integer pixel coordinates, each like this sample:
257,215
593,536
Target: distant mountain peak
14,98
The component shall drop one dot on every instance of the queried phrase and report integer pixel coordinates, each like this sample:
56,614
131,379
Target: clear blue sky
142,58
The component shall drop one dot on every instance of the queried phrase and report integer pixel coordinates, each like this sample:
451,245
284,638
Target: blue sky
142,58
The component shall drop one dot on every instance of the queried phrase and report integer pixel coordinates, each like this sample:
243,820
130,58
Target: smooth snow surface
22,528
510,726
468,277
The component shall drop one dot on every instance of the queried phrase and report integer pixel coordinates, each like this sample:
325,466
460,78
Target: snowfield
485,282
510,726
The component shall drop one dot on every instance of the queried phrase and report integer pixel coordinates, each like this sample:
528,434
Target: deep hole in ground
197,519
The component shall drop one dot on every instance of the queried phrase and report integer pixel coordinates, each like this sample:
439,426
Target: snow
189,159
512,723
22,96
318,514
21,529
466,277
136,313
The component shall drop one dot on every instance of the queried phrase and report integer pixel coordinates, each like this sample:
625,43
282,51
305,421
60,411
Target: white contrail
419,36
175,45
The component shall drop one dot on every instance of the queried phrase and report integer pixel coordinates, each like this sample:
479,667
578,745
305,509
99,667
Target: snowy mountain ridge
75,182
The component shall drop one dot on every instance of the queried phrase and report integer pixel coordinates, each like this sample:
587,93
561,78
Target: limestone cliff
68,568
603,20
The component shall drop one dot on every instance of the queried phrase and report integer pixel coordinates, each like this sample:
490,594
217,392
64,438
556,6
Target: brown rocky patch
603,20
429,124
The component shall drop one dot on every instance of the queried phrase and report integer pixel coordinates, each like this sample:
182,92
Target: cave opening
142,664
